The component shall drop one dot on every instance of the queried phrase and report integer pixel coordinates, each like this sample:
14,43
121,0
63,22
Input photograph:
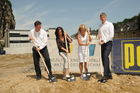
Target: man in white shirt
106,34
40,39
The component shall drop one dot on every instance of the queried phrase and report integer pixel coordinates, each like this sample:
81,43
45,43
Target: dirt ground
17,76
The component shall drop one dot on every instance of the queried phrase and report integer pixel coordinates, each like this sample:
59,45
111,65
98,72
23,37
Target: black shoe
52,78
108,77
38,77
102,80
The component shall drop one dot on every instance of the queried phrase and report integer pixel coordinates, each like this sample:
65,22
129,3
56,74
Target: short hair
103,14
36,23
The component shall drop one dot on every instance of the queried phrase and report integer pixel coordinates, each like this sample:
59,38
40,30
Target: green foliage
1,46
8,2
127,20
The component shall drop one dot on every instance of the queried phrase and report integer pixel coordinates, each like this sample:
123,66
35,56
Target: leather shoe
102,80
38,77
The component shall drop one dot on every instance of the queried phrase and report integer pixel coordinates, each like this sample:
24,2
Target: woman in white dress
84,40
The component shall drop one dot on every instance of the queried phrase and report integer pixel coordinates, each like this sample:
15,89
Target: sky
69,14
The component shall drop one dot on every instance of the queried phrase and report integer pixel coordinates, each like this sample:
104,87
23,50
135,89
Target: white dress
83,51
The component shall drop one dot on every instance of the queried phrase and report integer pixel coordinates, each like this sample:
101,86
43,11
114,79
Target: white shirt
106,31
40,38
84,40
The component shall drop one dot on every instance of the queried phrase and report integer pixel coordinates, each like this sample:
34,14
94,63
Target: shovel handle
67,50
41,57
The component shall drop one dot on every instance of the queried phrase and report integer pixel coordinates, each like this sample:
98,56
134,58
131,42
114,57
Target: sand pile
17,76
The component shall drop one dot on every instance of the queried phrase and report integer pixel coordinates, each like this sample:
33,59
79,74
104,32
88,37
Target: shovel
51,79
72,78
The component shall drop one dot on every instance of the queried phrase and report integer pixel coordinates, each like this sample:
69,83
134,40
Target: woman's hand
67,51
68,37
88,32
65,34
87,44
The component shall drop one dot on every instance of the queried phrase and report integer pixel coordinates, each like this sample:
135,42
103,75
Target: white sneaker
66,77
88,74
83,75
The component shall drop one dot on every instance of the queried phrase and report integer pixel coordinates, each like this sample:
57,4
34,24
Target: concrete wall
94,63
18,48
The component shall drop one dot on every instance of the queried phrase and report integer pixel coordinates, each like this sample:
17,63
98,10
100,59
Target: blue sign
91,49
126,55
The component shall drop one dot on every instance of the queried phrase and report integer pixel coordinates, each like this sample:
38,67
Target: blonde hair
82,26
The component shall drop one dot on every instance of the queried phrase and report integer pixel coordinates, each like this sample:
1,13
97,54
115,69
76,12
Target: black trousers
36,59
105,51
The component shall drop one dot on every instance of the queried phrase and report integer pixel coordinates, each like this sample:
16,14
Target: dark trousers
105,51
36,58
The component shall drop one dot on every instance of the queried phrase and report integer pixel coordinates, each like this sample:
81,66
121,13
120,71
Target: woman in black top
61,44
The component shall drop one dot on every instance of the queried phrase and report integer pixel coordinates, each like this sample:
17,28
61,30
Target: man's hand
99,36
38,49
31,38
101,42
